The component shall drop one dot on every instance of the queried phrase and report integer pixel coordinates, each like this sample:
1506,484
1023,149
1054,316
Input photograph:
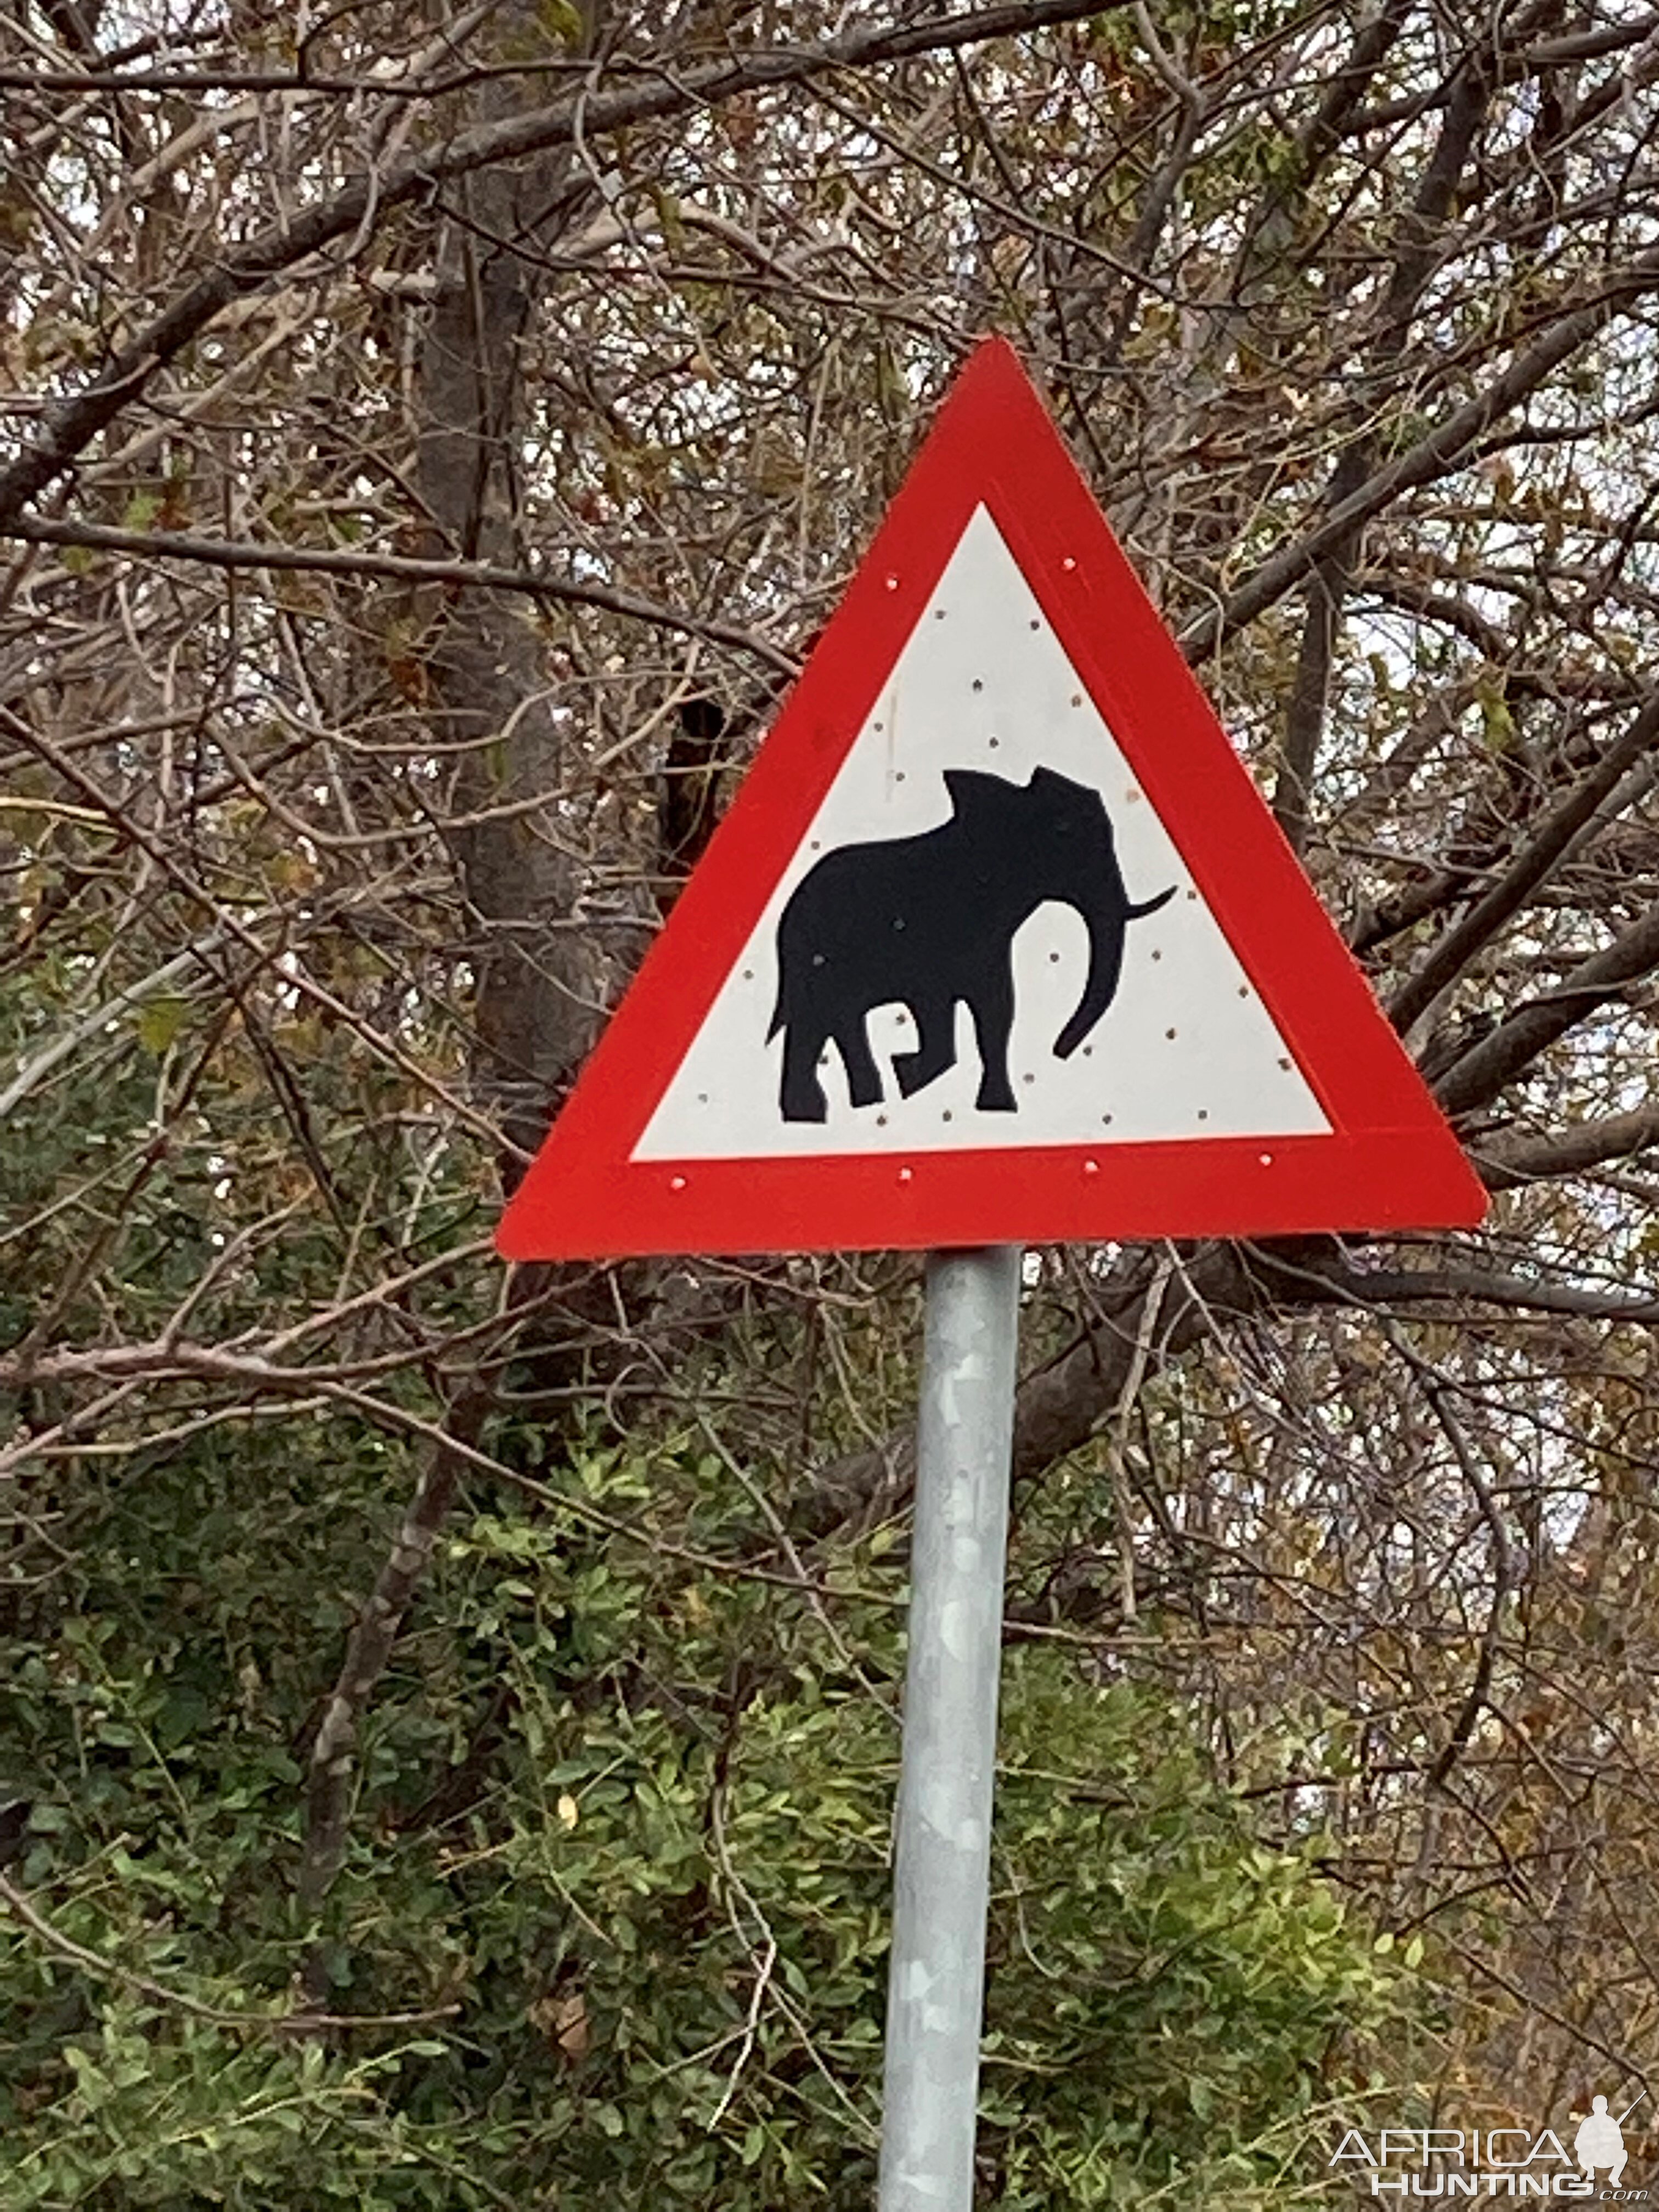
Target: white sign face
1025,871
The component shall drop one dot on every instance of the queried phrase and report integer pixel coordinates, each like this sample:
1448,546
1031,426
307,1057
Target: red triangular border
1390,1162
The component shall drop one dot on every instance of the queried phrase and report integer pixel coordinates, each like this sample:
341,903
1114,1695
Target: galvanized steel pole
941,1878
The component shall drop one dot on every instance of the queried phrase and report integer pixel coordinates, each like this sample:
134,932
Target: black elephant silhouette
927,921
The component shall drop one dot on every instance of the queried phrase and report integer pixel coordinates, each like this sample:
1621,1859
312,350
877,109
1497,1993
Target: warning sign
997,942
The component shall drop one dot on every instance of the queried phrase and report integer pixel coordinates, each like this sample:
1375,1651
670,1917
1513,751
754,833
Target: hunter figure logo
1600,2142
928,922
1456,2162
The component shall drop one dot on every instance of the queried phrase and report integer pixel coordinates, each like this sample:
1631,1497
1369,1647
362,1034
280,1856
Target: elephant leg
936,1045
993,1020
800,1095
863,1076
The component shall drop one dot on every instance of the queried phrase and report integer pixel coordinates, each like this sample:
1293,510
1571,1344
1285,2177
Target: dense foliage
625,1876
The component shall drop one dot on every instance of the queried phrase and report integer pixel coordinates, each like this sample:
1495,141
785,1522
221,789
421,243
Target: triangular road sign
997,942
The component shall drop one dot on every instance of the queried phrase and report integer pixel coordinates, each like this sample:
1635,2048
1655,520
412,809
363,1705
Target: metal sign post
941,1880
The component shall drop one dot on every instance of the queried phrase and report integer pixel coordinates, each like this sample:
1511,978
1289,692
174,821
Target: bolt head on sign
998,943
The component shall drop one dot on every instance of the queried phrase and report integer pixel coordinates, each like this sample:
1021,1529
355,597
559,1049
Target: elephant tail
1149,906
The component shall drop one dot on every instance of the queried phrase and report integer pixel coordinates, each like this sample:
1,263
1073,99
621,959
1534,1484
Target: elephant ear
1068,806
975,794
1056,790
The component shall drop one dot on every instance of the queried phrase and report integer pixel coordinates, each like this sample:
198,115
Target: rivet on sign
702,1098
877,726
1267,1159
892,583
1088,1052
905,1174
979,684
939,614
1156,955
748,975
1105,1120
1286,1064
1203,1112
995,742
677,1183
1192,895
1027,1079
1244,990
1068,563
1171,1034
881,1120
1054,957
946,1115
1091,1166
1036,624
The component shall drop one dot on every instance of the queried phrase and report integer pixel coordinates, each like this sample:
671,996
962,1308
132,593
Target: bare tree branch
72,426
1509,1161
1482,1072
1530,867
467,575
1432,457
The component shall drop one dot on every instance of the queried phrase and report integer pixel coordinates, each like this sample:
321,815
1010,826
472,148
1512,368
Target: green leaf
668,215
1496,722
561,21
159,1023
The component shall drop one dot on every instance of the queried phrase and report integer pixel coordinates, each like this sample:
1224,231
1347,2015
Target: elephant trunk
1108,919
